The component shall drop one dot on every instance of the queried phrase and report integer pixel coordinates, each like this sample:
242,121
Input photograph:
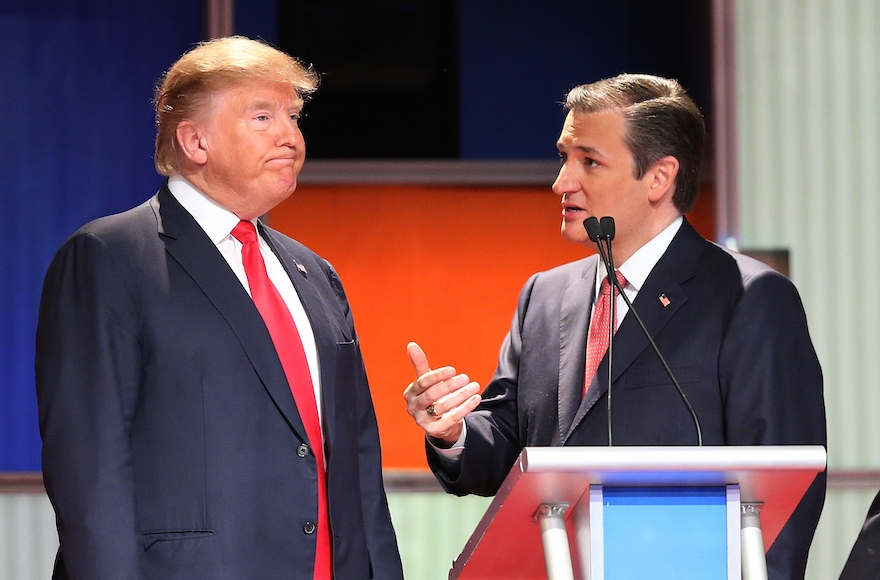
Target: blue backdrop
76,142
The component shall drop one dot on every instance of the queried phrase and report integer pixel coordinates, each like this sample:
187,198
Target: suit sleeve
772,382
87,372
380,537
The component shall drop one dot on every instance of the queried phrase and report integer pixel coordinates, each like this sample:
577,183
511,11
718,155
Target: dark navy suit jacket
734,334
863,562
172,447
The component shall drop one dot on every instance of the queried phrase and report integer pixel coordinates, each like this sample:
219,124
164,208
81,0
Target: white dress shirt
636,269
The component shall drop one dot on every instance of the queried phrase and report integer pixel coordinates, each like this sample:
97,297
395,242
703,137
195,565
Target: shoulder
293,250
300,257
121,227
564,275
548,288
759,288
750,271
115,234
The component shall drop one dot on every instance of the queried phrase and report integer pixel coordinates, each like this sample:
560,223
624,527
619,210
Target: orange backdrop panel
441,266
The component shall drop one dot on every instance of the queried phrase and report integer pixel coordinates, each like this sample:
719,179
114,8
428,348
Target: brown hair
185,90
661,120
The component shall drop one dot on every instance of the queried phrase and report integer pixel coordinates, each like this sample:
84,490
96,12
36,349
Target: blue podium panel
678,533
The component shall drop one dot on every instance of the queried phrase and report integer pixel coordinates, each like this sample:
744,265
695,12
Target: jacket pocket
148,539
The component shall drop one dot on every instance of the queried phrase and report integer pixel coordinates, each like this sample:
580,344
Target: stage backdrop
76,82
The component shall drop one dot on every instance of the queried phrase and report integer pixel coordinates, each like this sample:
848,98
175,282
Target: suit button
302,450
309,528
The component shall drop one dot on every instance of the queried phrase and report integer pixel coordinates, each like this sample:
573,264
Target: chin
575,233
285,188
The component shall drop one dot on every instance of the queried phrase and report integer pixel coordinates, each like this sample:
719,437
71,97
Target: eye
590,162
298,117
261,118
562,158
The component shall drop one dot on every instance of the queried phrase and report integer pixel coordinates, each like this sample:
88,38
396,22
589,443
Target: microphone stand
605,232
600,236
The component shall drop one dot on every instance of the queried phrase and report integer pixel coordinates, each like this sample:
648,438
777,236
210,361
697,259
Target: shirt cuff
451,455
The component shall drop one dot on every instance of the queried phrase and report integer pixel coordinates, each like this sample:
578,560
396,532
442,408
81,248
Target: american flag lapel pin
300,267
664,300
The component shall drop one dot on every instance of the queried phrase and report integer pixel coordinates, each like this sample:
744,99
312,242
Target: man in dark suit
863,562
187,431
732,329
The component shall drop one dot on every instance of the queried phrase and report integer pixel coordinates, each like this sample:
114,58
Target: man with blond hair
203,403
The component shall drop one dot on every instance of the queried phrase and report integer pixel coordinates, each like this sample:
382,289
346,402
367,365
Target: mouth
570,211
284,159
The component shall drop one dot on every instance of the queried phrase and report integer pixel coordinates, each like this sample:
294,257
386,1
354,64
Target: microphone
594,229
608,229
604,232
598,234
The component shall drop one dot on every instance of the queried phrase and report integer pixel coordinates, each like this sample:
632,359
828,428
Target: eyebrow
262,104
585,149
269,104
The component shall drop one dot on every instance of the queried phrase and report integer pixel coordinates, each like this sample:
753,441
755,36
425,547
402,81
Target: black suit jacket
863,562
172,447
734,334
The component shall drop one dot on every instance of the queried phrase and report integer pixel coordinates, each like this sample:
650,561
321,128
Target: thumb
418,358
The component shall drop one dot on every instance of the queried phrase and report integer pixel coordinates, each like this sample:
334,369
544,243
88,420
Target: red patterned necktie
290,350
598,341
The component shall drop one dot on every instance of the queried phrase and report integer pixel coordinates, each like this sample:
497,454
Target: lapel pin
300,267
664,300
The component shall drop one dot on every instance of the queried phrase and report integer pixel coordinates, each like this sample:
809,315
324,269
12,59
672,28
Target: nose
564,183
289,135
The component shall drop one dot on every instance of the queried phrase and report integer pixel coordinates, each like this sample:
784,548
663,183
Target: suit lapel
315,306
657,301
574,320
190,247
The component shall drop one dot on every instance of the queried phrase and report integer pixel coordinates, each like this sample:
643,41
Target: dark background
482,79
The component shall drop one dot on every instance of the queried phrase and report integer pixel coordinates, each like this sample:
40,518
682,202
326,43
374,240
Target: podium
597,513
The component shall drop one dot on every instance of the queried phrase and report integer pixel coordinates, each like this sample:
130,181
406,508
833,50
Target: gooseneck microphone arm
599,235
601,232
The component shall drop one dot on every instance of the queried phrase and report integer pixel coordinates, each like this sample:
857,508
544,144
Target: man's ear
192,142
663,174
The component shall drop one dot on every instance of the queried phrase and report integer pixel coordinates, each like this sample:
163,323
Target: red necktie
598,342
287,342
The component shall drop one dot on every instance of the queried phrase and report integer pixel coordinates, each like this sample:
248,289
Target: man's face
255,149
597,179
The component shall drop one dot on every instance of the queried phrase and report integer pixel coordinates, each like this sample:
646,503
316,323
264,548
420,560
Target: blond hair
185,90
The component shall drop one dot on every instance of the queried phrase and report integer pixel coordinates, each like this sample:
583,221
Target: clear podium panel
506,544
677,533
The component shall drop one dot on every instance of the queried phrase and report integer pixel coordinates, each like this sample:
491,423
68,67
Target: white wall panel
809,149
28,540
808,84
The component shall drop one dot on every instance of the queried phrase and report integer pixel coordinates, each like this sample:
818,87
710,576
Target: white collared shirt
636,269
218,223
